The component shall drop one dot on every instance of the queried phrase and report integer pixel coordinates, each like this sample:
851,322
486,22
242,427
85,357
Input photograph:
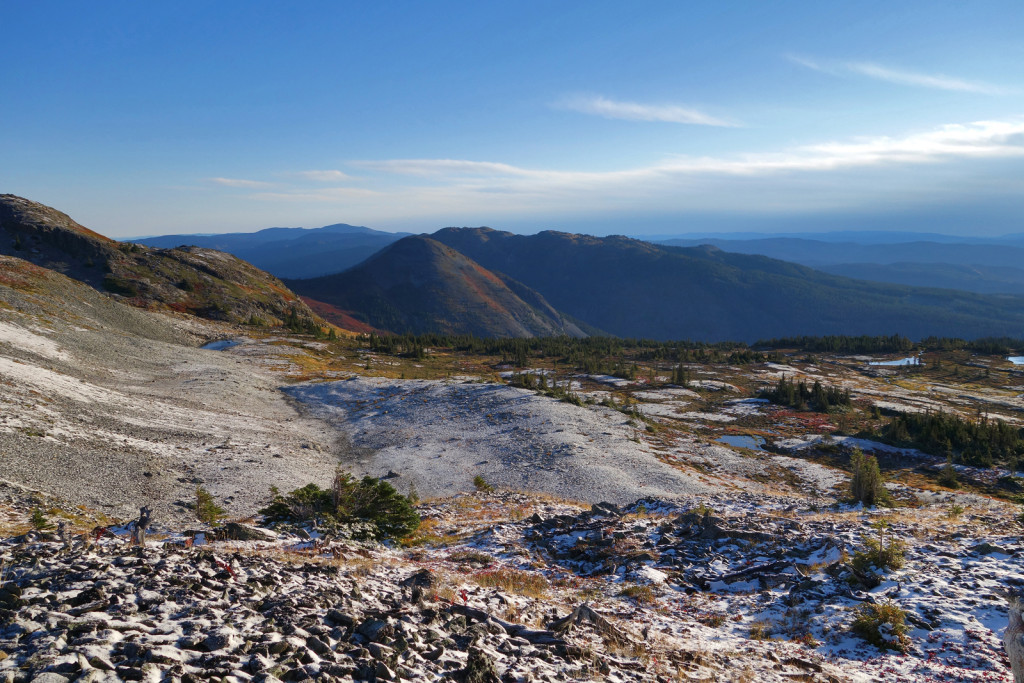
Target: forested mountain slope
632,288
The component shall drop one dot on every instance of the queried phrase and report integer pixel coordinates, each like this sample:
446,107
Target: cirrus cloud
239,182
900,76
331,176
598,105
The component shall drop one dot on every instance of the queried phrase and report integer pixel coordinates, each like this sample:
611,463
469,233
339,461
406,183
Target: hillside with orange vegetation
202,282
419,285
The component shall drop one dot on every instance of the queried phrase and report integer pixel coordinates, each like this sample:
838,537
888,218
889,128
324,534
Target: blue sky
602,117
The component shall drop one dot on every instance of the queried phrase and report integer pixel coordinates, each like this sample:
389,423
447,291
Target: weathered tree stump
1013,638
141,524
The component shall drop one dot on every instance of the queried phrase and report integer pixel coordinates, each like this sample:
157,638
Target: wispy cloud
829,174
239,182
981,139
899,76
635,111
923,80
326,194
325,176
434,167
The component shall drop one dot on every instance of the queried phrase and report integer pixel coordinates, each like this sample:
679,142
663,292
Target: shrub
39,521
481,484
349,501
866,485
761,630
119,285
947,477
206,508
883,625
880,554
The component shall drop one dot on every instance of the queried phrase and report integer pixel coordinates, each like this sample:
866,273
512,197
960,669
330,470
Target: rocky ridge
204,282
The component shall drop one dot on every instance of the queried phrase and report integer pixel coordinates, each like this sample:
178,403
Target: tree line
981,443
579,350
818,397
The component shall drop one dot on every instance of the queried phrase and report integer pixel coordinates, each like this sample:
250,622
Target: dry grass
761,630
643,595
430,533
712,619
516,581
471,557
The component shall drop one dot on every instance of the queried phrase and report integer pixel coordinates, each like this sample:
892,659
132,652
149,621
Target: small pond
220,345
912,360
754,443
1016,360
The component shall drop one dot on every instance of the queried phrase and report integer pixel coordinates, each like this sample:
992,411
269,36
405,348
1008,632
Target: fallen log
770,567
533,636
584,612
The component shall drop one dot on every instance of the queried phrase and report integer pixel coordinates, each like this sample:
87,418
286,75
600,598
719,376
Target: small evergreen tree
39,521
947,477
866,485
206,508
348,501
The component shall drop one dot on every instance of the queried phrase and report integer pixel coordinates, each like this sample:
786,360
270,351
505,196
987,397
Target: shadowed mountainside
632,288
983,279
985,266
203,282
418,285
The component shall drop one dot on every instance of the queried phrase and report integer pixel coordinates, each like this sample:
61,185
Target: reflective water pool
911,360
754,443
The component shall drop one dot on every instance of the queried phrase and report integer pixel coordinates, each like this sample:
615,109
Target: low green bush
206,508
887,556
883,625
39,521
119,285
947,477
880,553
348,501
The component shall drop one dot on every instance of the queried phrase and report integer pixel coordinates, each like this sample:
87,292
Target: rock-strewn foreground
739,564
524,589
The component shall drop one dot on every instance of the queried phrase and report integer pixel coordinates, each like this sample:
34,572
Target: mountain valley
590,508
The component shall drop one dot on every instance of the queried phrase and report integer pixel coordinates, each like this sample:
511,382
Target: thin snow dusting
26,340
439,435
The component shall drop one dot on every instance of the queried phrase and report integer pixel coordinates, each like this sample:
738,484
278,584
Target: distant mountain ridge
987,266
817,253
419,285
983,279
292,252
203,282
632,288
492,283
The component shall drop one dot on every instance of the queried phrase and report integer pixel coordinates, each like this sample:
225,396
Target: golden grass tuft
529,584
